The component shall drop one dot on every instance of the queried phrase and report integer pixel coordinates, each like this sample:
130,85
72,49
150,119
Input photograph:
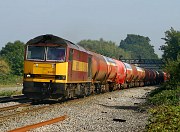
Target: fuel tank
112,69
99,67
134,72
129,72
141,73
152,75
165,76
121,72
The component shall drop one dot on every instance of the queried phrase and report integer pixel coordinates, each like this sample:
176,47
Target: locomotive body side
78,71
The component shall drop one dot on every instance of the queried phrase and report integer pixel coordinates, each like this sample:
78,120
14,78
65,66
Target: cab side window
71,51
89,66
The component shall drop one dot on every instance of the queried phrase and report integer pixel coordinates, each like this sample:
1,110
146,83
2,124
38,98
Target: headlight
27,75
60,77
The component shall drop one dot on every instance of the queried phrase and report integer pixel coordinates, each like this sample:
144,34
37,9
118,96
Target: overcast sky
76,20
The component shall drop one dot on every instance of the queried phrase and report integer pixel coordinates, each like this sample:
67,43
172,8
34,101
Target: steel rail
33,126
13,98
14,106
21,112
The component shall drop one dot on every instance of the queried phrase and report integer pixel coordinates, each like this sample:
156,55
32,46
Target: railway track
24,108
14,107
74,109
12,98
13,111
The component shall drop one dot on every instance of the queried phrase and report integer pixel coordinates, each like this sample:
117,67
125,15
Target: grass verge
10,80
10,93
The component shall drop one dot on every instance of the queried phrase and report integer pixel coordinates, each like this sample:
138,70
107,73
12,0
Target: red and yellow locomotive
57,68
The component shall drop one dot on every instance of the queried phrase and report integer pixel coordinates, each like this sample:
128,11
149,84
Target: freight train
55,68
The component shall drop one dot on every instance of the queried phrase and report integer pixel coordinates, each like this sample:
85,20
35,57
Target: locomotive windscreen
35,53
43,53
56,53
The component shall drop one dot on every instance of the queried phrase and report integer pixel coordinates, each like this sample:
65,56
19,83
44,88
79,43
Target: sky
76,20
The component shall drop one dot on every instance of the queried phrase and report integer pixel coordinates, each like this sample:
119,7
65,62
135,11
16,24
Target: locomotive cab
45,70
55,68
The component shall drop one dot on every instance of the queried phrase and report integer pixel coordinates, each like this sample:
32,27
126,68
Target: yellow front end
45,79
45,72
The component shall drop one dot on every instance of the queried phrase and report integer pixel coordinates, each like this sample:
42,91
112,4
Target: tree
139,46
106,48
4,68
171,48
13,53
171,55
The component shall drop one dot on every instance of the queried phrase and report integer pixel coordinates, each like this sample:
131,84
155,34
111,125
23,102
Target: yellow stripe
44,80
77,81
53,80
80,66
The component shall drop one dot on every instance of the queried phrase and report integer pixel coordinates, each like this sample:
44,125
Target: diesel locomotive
55,68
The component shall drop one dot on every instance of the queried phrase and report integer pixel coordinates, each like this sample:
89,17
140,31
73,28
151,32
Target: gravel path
95,113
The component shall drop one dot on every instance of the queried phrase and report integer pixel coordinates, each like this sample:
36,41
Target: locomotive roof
49,38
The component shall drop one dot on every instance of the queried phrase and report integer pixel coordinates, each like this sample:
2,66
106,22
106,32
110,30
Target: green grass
10,93
10,80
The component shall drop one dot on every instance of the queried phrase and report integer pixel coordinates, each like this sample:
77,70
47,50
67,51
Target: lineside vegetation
165,101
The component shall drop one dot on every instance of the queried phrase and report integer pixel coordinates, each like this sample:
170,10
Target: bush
164,118
166,97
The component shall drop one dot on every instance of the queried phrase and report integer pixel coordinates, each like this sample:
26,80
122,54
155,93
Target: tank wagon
55,68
